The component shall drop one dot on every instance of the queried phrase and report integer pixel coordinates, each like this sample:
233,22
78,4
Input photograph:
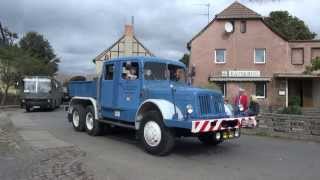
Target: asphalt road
118,156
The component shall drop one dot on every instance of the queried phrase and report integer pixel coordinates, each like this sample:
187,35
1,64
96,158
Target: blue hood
206,103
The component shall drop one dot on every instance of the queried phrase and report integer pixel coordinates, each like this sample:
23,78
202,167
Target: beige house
238,49
127,45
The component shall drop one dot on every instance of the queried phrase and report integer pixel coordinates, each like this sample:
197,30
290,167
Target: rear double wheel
78,117
155,137
92,126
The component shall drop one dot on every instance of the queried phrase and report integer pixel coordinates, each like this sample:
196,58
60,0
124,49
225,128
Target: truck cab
150,95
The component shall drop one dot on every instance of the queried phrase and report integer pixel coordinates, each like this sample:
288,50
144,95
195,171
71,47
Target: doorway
301,89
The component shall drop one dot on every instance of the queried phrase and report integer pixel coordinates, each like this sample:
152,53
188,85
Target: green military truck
41,92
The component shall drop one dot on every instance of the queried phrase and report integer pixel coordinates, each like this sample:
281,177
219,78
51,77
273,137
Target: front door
129,89
301,89
107,87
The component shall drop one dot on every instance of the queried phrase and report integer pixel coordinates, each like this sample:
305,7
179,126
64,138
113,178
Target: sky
79,30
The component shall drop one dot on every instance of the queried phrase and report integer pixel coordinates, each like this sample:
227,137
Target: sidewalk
27,152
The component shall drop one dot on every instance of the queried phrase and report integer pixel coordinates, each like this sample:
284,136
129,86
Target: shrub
291,110
294,101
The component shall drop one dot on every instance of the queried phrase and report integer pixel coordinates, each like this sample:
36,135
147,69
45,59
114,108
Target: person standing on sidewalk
241,102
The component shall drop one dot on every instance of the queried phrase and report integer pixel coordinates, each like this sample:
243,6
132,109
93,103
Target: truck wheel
93,127
209,139
28,109
154,136
78,117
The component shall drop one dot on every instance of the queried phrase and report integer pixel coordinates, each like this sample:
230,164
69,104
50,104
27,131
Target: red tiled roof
236,11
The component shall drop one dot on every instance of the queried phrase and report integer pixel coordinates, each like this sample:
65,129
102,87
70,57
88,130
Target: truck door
107,87
129,89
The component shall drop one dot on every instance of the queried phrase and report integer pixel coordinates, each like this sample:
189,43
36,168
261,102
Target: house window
243,26
109,72
222,87
259,56
220,56
297,56
261,90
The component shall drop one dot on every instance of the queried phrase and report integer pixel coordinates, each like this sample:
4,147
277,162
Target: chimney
128,30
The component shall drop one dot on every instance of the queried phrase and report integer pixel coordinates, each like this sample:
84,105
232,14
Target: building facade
238,49
126,45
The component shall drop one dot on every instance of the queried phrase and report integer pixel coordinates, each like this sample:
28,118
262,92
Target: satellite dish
228,26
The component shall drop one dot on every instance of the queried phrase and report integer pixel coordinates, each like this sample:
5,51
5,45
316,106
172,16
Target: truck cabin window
109,72
177,73
130,70
155,71
37,85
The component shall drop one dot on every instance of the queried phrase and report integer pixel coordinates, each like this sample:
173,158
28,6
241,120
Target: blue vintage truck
150,95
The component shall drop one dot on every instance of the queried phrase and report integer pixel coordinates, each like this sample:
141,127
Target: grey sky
80,29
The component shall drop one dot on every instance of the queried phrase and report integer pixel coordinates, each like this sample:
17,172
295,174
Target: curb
9,106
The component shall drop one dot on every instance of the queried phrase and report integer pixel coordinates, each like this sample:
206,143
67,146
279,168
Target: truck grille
210,104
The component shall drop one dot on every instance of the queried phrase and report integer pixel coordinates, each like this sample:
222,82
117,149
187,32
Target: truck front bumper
212,125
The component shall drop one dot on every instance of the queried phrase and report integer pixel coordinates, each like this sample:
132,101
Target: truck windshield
155,71
37,85
177,73
162,71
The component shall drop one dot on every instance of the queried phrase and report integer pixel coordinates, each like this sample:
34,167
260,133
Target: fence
285,125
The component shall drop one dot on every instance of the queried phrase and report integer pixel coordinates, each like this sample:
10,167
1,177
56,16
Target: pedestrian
228,107
241,102
254,107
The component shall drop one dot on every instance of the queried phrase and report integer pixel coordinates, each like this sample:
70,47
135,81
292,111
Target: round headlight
49,100
189,109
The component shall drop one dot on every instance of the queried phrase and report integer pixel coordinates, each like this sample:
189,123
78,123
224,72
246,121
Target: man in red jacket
241,102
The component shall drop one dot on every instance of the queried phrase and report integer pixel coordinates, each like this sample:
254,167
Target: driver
131,73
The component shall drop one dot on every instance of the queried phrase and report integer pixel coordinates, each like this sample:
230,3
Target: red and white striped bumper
200,126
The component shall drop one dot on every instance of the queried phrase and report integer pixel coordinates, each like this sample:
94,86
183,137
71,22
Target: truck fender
165,107
84,100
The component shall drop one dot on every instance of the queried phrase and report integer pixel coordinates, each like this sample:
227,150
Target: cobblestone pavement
19,160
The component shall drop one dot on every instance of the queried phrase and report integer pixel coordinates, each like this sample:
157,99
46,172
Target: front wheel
28,108
154,136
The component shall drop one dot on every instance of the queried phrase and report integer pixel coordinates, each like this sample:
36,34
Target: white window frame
265,55
224,89
264,91
224,57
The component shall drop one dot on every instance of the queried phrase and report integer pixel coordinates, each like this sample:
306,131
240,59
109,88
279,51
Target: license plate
36,107
228,134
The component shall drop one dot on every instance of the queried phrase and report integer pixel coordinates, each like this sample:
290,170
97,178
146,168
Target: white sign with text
240,73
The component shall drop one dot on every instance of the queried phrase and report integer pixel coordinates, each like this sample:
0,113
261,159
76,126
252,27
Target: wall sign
282,92
232,73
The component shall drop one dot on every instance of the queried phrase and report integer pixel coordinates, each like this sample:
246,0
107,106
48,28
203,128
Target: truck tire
78,117
209,139
93,127
28,109
155,137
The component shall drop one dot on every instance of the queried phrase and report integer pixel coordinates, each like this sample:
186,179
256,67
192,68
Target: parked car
151,96
41,92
